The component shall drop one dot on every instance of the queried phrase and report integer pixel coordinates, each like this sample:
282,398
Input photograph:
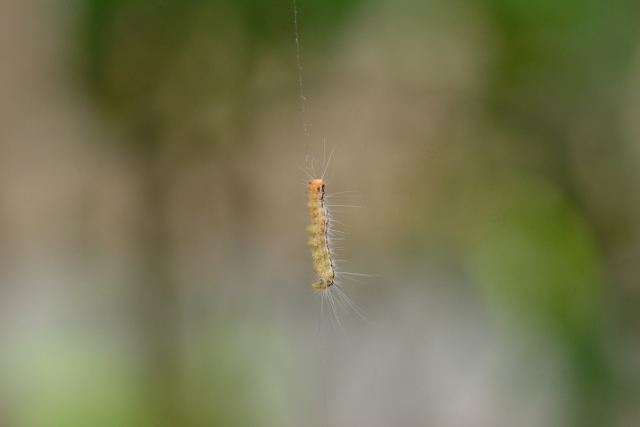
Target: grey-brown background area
153,266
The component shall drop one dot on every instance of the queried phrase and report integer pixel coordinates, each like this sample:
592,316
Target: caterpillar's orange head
316,184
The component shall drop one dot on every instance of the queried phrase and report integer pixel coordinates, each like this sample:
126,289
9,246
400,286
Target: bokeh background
153,265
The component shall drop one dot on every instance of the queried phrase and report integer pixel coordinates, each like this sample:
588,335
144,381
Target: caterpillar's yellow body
319,240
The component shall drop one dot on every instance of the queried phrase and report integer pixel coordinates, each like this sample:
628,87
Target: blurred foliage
230,376
66,381
561,70
558,82
533,195
538,259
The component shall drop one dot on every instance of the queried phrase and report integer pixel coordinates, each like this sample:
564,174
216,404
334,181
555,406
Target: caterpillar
322,235
323,264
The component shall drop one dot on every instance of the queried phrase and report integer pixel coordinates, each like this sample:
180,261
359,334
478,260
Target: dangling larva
324,263
319,240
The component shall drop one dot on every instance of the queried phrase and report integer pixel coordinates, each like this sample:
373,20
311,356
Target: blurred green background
153,266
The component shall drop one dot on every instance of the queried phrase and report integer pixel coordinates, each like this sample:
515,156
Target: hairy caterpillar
322,236
319,241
